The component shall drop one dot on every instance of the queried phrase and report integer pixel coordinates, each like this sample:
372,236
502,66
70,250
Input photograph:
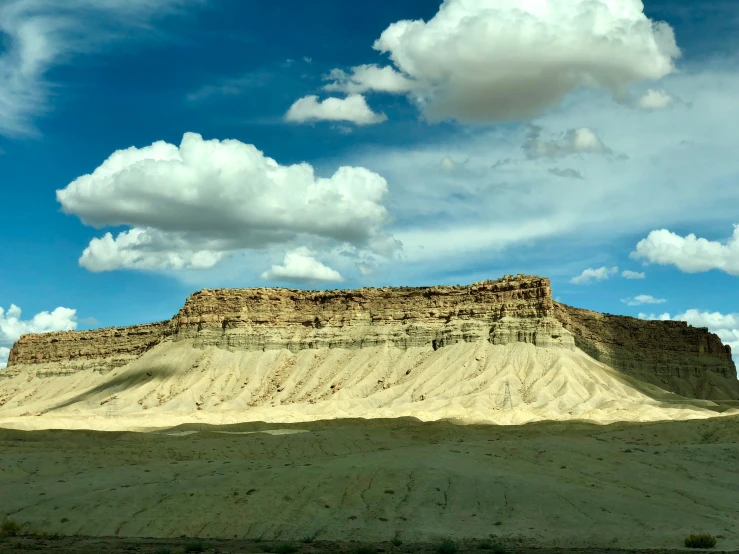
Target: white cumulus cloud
12,326
628,274
368,77
299,266
353,108
492,60
189,206
643,299
689,254
654,100
590,274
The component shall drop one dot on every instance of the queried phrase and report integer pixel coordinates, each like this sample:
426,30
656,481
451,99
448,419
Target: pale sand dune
175,383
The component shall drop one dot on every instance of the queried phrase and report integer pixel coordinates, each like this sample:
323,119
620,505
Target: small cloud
590,274
689,254
230,87
651,317
306,59
353,108
573,141
626,274
654,100
288,62
299,266
368,78
643,299
89,321
566,173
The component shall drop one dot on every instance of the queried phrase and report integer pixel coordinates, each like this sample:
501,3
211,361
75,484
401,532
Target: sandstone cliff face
512,309
98,349
658,352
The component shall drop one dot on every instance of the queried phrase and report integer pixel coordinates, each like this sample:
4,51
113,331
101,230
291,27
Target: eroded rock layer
665,353
512,309
98,349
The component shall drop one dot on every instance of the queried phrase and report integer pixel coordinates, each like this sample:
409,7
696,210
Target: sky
152,148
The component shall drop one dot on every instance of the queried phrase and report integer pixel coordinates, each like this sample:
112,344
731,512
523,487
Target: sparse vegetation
284,548
365,550
447,546
702,540
9,528
486,544
163,550
195,546
309,538
396,541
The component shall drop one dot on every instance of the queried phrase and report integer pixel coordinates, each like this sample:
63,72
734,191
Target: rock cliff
511,309
668,354
101,349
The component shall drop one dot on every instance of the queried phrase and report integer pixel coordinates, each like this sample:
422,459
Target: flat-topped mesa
97,349
512,309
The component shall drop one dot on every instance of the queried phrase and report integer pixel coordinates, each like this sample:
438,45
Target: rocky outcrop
512,309
665,353
98,349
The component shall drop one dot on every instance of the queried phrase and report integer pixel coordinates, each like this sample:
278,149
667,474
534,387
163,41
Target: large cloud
39,34
300,266
191,205
353,109
12,326
689,254
498,198
492,60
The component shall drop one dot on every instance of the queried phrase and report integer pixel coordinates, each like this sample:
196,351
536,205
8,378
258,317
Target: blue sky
335,145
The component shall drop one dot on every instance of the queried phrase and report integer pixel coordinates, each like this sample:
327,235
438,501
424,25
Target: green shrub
447,546
365,550
9,528
163,550
396,541
195,546
703,540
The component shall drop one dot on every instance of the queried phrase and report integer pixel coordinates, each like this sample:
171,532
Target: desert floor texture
548,484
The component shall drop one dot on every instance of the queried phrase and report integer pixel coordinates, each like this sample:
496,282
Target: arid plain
395,418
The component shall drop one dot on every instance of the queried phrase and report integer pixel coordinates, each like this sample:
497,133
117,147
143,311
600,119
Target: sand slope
472,382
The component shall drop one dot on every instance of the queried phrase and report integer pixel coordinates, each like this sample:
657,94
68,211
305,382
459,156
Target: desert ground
549,485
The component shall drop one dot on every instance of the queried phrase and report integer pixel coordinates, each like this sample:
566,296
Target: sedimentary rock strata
513,309
98,349
664,353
